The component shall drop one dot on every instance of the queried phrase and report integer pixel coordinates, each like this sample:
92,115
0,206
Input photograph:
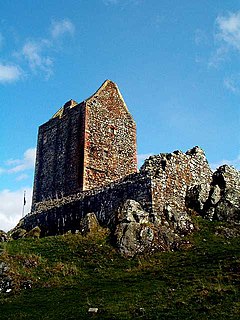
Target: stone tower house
85,146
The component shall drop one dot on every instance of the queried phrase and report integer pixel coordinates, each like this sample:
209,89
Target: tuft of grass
72,273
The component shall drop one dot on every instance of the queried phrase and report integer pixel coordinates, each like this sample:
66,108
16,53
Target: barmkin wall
160,187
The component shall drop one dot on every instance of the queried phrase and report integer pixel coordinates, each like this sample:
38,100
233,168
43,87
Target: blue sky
177,65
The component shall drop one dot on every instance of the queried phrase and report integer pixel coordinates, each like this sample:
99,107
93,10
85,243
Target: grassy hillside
71,273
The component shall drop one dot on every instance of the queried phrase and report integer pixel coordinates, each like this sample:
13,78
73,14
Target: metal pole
24,202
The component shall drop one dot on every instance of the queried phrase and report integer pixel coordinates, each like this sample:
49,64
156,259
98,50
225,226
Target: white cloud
39,53
142,157
227,38
9,73
232,83
33,52
11,207
22,176
235,163
228,29
60,28
26,163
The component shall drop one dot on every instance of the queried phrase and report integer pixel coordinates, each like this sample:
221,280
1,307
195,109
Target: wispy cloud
59,28
20,166
36,56
227,38
9,73
228,29
33,53
232,83
11,206
235,163
200,37
26,163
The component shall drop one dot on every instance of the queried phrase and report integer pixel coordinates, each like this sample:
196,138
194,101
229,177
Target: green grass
71,273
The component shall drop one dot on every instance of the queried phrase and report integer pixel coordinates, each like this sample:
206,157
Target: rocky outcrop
223,203
146,211
138,231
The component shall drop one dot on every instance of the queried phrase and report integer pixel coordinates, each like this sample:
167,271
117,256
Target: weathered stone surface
33,233
228,232
138,231
179,221
223,203
85,146
3,236
196,197
174,174
18,233
89,224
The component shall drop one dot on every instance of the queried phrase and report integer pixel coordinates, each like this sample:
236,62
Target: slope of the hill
62,277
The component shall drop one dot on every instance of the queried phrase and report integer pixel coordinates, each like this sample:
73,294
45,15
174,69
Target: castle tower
85,145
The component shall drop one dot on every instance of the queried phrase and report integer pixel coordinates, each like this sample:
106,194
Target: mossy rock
33,233
18,233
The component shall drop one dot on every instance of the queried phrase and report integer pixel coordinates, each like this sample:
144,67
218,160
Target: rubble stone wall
85,146
172,174
110,138
61,215
59,155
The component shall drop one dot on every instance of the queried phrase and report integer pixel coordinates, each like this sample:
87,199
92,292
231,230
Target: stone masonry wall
59,155
160,187
172,174
58,216
110,138
85,146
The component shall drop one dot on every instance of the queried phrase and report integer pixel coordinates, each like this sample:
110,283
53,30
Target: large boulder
223,203
90,225
139,231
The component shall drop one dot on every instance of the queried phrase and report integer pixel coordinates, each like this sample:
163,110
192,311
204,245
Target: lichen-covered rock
132,212
33,233
3,236
138,231
18,233
133,232
196,197
89,224
180,222
223,203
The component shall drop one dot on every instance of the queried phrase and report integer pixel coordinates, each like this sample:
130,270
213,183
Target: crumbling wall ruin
160,187
173,174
